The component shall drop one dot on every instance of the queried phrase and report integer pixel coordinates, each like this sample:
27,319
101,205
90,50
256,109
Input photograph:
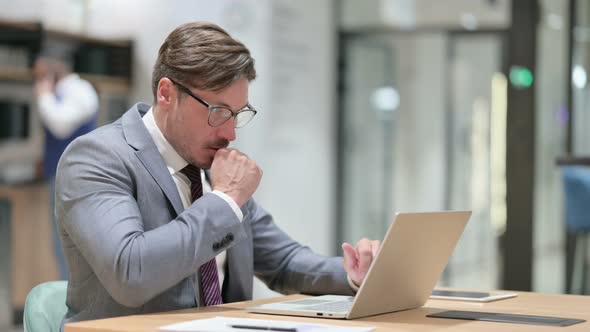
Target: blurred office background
365,108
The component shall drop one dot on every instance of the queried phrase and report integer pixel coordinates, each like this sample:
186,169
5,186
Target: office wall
21,10
551,103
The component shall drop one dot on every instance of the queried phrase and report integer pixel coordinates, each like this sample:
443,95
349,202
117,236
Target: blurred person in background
146,229
68,107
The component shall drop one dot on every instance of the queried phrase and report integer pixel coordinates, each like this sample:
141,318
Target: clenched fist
43,86
235,174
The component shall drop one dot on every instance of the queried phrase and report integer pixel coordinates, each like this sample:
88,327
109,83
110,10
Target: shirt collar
174,162
65,83
66,80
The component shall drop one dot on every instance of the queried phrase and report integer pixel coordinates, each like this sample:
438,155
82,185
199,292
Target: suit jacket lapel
139,138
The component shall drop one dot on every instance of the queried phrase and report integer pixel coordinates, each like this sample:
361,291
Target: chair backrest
576,181
45,307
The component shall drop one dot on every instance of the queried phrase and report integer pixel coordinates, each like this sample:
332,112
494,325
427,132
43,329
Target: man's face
40,69
187,128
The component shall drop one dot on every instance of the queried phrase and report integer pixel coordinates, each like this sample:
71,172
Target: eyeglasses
219,115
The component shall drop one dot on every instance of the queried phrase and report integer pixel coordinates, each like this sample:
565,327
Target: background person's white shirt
74,103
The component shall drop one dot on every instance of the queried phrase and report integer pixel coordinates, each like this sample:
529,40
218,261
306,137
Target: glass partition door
416,131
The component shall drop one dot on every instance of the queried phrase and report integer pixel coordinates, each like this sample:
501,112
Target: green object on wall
521,77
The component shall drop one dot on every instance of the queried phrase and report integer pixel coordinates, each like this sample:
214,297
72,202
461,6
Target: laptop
411,259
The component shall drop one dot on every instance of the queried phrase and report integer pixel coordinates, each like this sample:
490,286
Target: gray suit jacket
131,248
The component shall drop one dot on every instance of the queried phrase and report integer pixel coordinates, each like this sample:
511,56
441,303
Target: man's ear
166,93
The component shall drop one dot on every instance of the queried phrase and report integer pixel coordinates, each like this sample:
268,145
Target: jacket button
229,237
216,246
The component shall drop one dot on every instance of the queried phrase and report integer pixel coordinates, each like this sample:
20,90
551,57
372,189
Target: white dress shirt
175,163
73,103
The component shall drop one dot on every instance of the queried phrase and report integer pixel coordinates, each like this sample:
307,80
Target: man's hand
357,260
235,174
43,86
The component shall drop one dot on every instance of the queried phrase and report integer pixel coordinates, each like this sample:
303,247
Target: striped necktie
209,278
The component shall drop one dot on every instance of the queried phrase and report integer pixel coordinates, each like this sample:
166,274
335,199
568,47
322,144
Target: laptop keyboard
308,301
338,306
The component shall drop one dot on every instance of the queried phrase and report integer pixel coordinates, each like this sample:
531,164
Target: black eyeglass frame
214,108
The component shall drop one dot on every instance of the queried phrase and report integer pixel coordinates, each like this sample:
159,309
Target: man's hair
58,57
204,56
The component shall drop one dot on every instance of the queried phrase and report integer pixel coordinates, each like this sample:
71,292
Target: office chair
576,180
45,307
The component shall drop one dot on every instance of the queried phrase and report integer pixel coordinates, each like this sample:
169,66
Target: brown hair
204,56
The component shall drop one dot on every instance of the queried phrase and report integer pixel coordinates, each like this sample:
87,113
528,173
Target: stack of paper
227,324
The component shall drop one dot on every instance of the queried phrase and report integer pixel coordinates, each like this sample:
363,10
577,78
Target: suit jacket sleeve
287,266
96,204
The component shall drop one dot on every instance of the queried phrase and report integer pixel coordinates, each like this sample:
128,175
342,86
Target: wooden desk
571,306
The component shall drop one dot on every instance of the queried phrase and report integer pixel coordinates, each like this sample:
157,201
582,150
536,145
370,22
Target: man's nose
228,130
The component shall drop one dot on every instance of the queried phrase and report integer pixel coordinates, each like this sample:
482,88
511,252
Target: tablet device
456,295
506,318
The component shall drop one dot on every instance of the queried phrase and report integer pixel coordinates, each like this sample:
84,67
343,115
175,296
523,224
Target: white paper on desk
222,324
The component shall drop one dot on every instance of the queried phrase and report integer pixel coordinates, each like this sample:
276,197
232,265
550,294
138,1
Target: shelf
109,58
52,33
15,74
57,34
20,25
107,83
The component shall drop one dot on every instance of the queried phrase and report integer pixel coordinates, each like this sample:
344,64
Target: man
146,230
67,106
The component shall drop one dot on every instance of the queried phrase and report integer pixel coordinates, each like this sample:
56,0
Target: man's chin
205,165
205,160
